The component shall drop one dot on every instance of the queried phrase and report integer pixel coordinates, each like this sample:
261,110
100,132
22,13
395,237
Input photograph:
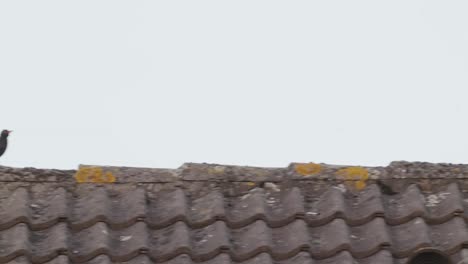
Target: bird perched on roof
3,141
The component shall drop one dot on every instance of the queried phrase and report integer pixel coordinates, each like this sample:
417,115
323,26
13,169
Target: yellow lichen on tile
360,185
217,170
356,176
251,184
308,168
94,175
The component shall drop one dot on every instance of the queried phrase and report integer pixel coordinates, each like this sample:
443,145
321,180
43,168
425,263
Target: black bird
3,141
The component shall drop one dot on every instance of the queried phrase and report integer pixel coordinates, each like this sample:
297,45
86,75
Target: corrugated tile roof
202,213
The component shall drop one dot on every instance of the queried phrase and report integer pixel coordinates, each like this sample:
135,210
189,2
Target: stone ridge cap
216,172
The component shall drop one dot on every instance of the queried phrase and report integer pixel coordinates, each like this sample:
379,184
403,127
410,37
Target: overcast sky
261,83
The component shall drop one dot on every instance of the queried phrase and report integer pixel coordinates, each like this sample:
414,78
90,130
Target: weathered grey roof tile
208,208
442,205
409,236
47,244
262,258
185,259
299,258
365,206
87,209
167,208
381,257
328,207
104,259
14,208
14,242
460,257
209,241
288,240
251,240
89,243
128,206
169,242
226,214
401,208
329,239
342,257
450,236
284,207
247,208
367,239
58,260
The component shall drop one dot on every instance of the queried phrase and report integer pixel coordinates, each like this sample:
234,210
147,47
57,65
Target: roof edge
216,172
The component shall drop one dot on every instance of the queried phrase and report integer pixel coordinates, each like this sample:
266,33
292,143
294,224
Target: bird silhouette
3,141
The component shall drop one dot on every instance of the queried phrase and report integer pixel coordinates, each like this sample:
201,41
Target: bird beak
9,131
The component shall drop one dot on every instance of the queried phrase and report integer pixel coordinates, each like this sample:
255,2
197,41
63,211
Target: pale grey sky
261,83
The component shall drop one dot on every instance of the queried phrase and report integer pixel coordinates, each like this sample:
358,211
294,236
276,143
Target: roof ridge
216,172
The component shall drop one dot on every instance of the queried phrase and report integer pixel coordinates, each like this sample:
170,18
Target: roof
208,213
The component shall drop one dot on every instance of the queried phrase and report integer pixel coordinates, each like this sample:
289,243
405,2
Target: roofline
216,172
